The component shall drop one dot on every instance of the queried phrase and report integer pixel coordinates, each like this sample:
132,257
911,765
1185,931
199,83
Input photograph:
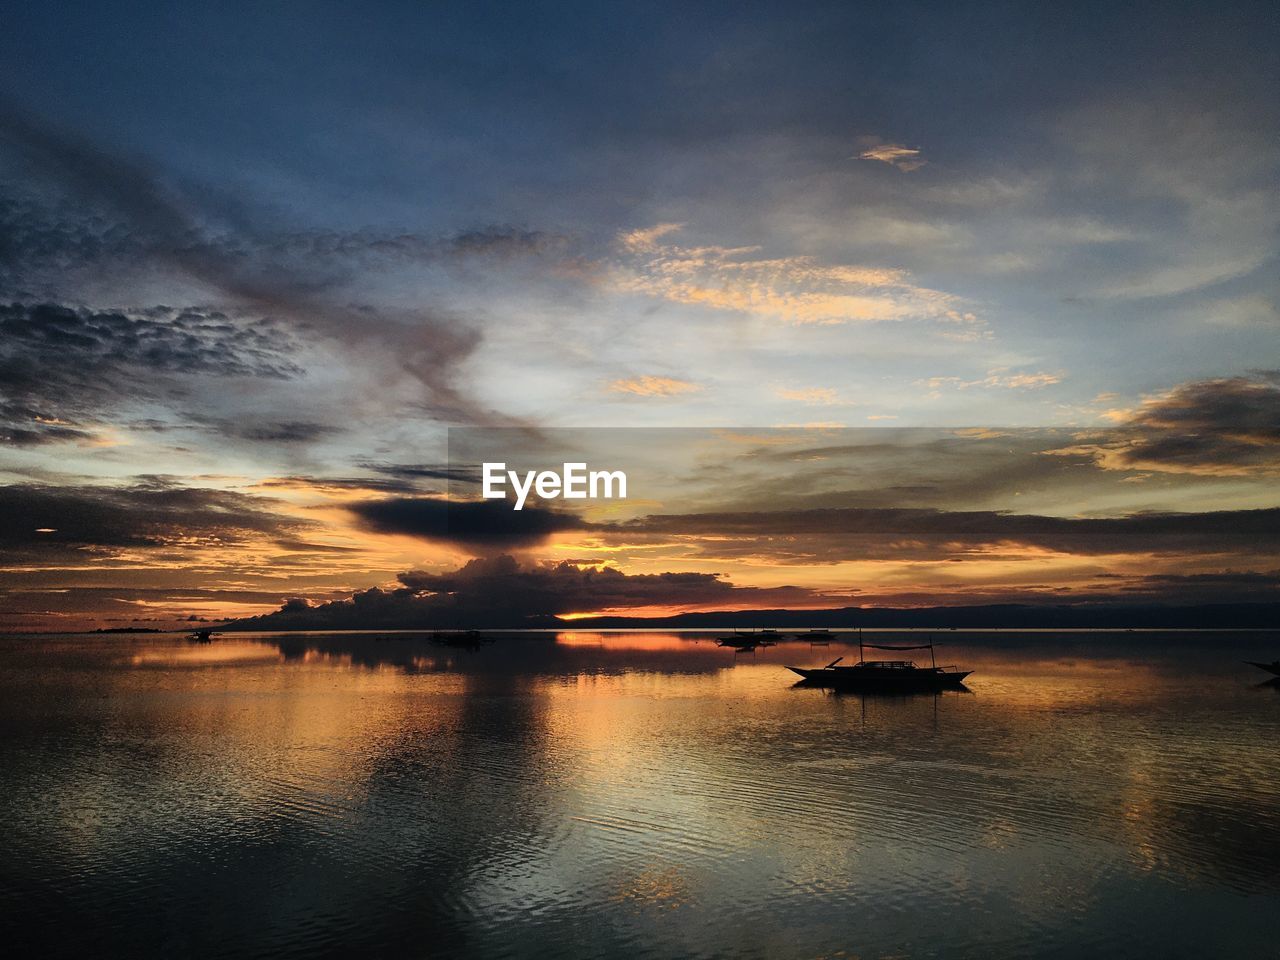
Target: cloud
645,239
430,471
297,278
1225,427
277,431
653,386
342,486
811,396
797,289
1237,312
1226,586
1200,175
896,155
60,366
46,522
838,534
500,591
996,379
477,524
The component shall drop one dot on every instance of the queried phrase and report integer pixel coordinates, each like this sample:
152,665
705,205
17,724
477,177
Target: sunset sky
1005,273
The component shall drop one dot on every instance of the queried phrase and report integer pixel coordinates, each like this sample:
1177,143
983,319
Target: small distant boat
465,639
816,636
201,636
893,675
1272,667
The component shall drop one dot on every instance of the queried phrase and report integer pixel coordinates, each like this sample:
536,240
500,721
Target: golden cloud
795,289
650,386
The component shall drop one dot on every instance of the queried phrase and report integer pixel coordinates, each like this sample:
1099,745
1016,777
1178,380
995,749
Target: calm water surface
636,794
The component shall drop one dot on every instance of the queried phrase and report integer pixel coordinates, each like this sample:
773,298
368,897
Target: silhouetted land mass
994,616
128,630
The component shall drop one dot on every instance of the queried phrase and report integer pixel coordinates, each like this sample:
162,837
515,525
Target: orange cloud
650,386
794,289
813,396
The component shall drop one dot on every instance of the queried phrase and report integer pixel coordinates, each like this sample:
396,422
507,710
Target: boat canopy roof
882,646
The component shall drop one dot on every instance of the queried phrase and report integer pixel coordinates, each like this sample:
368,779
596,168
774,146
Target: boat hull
854,679
1273,668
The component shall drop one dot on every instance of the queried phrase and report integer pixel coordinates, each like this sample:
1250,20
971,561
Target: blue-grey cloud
61,368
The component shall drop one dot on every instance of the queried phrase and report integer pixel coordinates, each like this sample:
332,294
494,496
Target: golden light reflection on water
207,654
643,775
628,641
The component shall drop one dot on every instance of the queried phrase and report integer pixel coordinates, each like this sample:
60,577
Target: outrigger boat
1272,667
747,641
894,675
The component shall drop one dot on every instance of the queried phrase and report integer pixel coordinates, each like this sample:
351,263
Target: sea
637,794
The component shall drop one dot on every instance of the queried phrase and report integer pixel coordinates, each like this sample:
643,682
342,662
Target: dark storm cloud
19,599
499,590
171,229
54,339
826,535
276,431
831,534
60,366
475,523
38,521
1228,425
373,484
564,588
424,471
18,420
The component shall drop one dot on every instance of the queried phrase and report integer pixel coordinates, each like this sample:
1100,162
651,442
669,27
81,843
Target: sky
256,259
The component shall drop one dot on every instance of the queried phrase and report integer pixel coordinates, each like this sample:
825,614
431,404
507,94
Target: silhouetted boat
884,674
467,639
816,636
1272,667
201,636
741,641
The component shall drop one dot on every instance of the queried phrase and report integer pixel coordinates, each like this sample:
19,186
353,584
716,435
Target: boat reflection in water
1273,667
904,676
